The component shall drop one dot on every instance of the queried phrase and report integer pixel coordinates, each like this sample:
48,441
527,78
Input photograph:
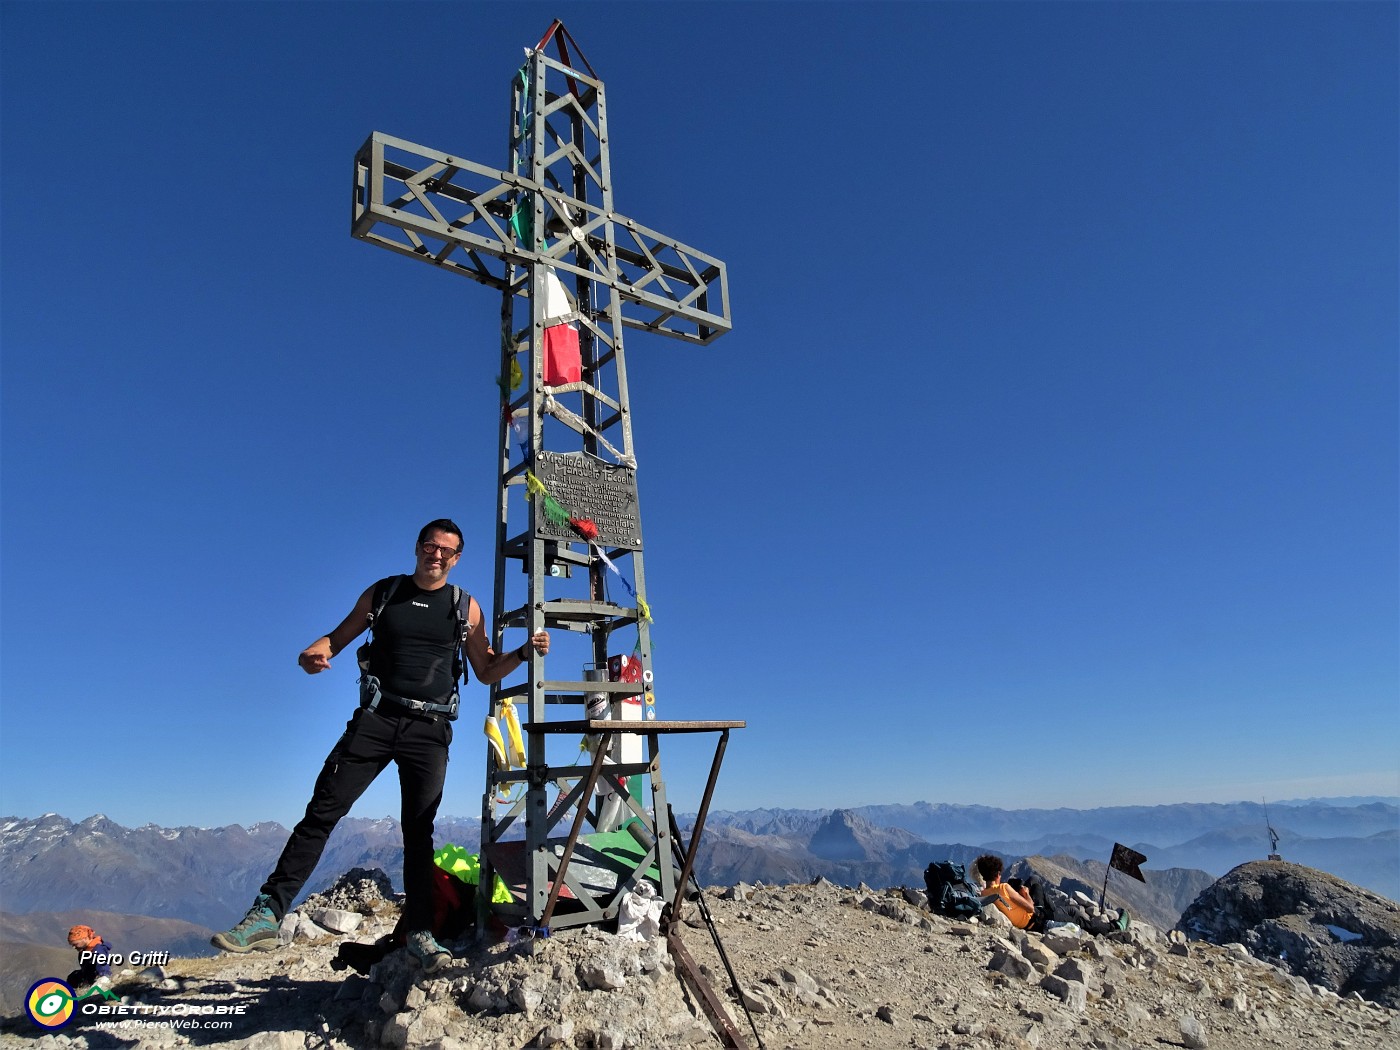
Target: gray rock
811,1000
525,996
1072,993
1029,1033
1064,939
602,974
287,929
1039,956
1076,970
653,957
1192,1033
305,929
428,1024
337,920
481,997
800,980
1012,963
1135,1013
760,1002
558,1034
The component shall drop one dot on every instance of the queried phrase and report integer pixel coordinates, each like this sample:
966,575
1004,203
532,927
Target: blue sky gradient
1052,459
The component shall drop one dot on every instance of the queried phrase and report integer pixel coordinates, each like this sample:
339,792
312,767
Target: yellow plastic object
517,742
493,736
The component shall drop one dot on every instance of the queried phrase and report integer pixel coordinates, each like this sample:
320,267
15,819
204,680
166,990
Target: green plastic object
456,861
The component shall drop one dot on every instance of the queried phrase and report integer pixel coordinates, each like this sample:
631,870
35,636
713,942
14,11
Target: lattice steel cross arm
456,214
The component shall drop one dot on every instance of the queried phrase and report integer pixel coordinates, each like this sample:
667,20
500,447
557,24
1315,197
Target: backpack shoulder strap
383,591
461,604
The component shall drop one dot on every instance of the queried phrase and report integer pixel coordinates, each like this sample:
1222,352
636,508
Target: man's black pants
370,742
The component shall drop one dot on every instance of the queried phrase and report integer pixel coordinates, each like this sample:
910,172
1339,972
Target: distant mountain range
1164,825
207,876
1357,842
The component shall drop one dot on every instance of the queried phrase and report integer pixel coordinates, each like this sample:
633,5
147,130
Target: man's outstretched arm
316,657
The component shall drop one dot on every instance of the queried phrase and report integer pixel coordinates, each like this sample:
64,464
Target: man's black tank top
414,642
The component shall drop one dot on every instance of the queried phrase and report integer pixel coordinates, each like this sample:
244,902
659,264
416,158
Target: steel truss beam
456,215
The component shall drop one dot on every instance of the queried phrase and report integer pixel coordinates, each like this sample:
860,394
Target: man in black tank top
410,724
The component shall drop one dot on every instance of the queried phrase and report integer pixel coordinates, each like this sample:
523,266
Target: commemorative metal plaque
604,493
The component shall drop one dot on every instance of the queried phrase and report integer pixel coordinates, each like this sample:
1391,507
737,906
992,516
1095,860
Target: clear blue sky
1052,458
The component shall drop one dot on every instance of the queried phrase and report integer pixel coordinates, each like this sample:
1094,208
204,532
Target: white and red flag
563,362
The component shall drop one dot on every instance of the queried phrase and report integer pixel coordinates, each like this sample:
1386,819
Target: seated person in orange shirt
1017,906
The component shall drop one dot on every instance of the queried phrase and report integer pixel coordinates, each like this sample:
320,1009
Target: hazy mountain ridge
1342,800
1356,843
205,876
1164,825
842,847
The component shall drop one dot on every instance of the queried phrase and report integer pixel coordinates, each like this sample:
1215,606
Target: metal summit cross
573,274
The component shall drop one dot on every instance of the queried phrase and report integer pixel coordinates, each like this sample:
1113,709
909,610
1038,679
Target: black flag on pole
1127,860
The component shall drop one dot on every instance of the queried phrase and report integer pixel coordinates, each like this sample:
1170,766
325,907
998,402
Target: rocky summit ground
821,966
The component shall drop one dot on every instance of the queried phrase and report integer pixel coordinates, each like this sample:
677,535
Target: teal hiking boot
431,955
256,933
